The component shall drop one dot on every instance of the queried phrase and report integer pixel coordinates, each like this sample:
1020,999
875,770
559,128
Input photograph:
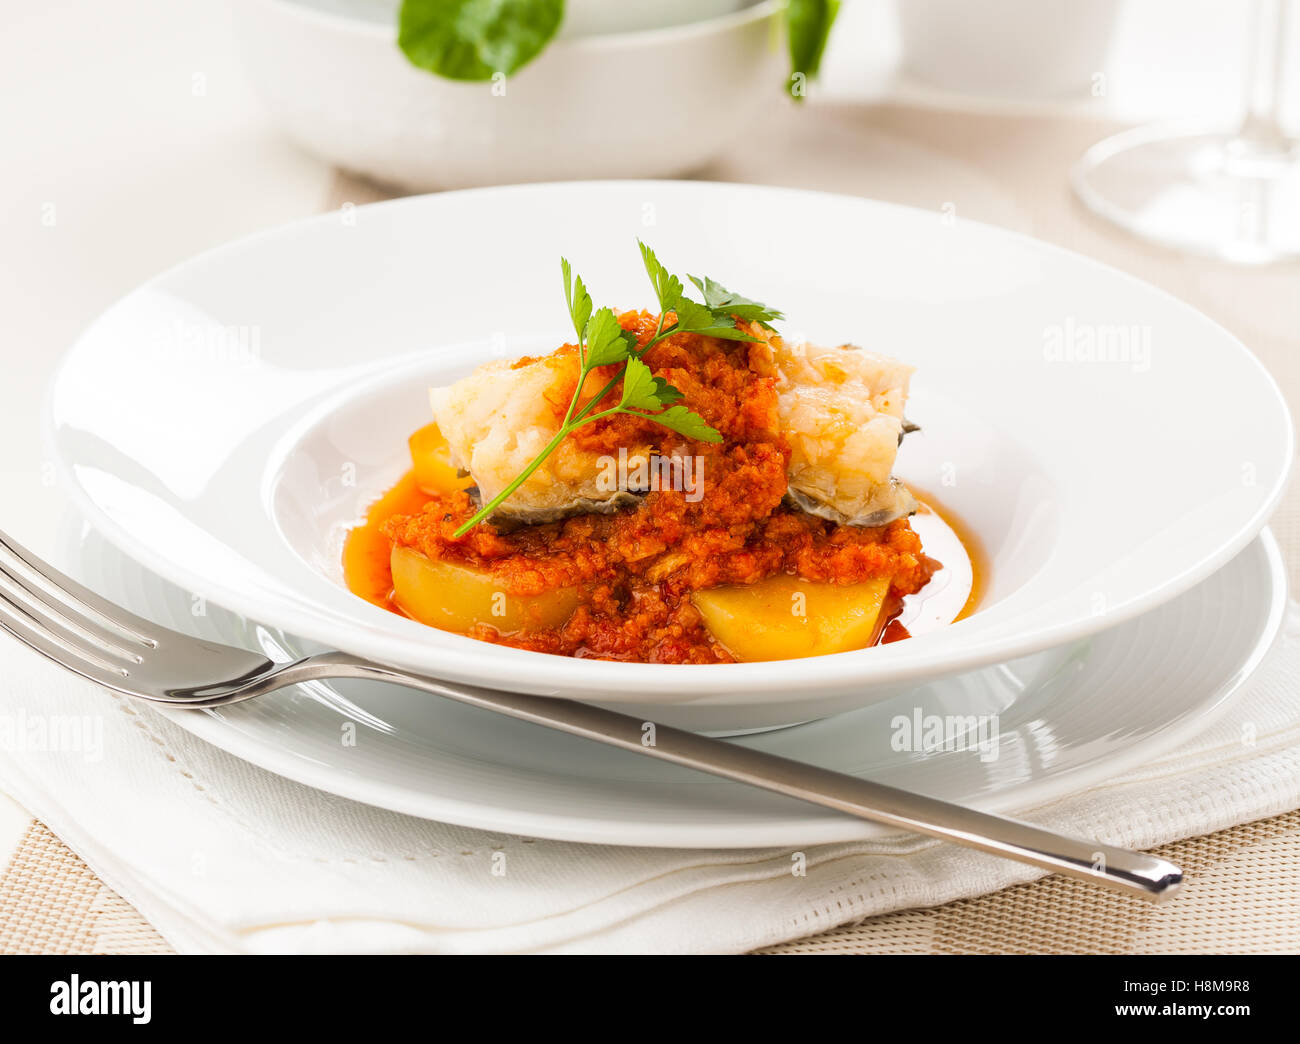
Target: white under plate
1066,718
1110,446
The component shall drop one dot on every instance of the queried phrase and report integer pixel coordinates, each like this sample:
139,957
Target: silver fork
100,641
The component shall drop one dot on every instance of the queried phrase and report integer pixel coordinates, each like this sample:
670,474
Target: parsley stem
600,394
658,326
611,345
577,394
570,425
564,432
583,370
659,335
518,481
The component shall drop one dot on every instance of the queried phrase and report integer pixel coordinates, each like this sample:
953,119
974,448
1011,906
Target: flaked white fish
841,410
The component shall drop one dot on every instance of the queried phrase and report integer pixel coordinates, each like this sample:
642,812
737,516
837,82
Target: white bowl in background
652,103
581,17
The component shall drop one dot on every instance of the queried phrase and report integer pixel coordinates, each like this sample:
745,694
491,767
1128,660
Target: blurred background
140,132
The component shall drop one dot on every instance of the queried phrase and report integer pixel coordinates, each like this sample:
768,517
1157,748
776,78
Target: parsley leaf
639,389
665,392
579,301
713,319
693,317
602,341
643,391
720,299
668,288
605,342
684,422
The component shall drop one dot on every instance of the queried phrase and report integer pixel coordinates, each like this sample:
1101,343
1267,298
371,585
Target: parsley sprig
603,342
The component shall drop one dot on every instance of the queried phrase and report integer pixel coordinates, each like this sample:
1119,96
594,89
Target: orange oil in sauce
954,592
367,552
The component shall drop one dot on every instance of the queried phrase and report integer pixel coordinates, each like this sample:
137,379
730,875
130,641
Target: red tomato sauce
636,569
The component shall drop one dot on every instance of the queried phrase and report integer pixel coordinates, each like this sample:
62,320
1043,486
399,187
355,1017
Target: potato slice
456,598
431,462
785,618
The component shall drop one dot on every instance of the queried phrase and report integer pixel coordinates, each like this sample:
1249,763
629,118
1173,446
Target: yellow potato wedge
784,618
431,462
456,598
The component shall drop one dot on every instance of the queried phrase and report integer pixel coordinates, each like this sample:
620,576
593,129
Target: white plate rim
627,682
1017,798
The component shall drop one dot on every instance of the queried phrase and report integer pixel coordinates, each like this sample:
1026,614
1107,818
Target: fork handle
1136,873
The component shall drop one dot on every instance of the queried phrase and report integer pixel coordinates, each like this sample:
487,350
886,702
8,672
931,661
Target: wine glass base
1202,191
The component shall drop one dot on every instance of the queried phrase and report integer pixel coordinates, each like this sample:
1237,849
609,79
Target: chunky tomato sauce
636,569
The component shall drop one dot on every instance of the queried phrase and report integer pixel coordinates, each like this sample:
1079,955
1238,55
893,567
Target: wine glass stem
1266,72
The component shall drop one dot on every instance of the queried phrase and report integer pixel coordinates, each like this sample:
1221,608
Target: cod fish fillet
840,408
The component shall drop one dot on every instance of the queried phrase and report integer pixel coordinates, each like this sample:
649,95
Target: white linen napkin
224,857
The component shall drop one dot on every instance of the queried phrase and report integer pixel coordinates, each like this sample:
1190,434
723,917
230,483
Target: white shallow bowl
653,103
1067,718
226,423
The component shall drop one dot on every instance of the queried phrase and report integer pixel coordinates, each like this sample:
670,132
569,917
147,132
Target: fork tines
65,621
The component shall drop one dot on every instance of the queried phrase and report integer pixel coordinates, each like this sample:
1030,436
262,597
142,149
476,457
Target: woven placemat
1241,897
1243,891
51,902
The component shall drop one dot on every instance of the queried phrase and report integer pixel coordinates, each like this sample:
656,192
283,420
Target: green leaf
808,26
640,392
643,391
606,344
693,317
665,393
475,39
718,298
684,422
668,288
579,301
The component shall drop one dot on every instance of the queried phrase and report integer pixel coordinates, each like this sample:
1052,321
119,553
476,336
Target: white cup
1007,48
